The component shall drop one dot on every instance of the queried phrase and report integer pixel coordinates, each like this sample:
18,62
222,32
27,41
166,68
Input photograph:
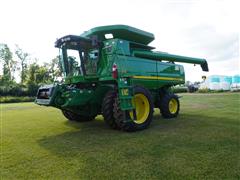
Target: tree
37,74
23,57
32,71
43,75
9,65
55,69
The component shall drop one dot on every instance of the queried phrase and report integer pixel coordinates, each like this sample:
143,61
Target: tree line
19,63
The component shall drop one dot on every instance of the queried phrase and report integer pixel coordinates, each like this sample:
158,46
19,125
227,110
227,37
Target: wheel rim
173,106
142,108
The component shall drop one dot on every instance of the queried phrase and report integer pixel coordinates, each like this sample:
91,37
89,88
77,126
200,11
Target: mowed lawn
202,143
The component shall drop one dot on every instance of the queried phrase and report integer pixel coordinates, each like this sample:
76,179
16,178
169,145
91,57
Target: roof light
108,36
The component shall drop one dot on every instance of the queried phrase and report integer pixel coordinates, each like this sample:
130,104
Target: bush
15,89
32,89
179,89
211,91
205,90
12,99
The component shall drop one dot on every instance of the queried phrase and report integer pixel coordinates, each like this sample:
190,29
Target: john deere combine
111,70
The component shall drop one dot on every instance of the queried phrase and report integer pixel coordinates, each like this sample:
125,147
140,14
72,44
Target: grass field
202,143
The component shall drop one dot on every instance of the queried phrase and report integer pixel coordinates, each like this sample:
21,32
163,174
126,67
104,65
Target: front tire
107,109
169,105
76,117
144,111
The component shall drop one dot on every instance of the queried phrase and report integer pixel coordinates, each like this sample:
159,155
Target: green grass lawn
202,143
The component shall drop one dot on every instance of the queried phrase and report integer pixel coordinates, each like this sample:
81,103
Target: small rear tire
169,105
76,117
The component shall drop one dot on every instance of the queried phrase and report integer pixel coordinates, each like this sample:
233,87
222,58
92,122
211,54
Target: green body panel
75,99
125,91
136,65
80,79
121,32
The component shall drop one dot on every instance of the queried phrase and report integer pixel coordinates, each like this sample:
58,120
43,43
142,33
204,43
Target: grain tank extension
112,71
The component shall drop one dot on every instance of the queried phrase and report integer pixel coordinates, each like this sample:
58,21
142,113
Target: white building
235,85
218,82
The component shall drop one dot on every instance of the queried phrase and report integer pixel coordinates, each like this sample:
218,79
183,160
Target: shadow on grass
87,136
88,124
166,147
96,134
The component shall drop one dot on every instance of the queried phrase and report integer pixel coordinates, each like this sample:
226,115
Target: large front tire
143,111
76,117
107,109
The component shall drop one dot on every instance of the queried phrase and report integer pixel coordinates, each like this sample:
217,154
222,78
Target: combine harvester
111,70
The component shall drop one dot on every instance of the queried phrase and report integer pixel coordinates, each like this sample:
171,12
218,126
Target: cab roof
122,32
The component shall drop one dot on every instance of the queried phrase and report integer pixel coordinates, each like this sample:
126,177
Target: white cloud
207,29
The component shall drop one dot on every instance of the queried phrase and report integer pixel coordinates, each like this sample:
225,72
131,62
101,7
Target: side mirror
94,41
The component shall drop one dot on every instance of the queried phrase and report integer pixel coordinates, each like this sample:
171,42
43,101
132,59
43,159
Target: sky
206,29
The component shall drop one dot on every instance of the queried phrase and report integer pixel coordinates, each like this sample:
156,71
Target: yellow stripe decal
158,78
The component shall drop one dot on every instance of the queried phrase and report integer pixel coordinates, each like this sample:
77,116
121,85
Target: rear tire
169,105
144,111
107,109
76,117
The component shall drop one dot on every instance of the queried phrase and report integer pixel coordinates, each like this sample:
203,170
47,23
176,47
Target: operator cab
78,55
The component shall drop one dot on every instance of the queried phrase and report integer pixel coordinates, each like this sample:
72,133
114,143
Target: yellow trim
142,108
173,106
158,78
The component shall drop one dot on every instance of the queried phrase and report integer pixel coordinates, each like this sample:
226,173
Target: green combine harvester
112,71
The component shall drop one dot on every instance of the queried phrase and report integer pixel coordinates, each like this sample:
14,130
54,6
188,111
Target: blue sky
206,29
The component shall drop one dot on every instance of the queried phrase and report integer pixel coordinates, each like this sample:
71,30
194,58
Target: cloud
215,46
207,29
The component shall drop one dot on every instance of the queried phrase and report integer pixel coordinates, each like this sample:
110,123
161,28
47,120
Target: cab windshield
79,62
